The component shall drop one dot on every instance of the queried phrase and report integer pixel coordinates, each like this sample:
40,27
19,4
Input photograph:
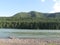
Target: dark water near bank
23,33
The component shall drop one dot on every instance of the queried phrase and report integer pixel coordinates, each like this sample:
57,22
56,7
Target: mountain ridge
38,14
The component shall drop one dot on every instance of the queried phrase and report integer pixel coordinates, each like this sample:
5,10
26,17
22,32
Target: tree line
30,25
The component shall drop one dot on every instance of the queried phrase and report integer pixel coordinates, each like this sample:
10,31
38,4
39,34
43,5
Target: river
25,33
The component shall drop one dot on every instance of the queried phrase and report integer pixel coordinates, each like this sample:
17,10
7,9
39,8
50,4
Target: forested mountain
34,14
31,20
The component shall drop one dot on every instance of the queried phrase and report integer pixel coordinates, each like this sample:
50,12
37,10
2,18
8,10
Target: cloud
56,7
43,0
54,0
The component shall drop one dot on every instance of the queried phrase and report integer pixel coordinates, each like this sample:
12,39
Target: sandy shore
29,42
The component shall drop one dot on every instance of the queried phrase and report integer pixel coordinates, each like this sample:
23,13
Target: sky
11,7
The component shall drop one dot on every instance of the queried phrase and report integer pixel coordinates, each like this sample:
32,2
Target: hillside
31,20
35,14
29,14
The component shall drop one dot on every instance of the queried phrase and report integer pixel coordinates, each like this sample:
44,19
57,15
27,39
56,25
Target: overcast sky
11,7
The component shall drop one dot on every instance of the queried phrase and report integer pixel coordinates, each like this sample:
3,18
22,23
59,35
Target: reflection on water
23,33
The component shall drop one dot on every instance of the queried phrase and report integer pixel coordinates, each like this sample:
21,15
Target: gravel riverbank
29,42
